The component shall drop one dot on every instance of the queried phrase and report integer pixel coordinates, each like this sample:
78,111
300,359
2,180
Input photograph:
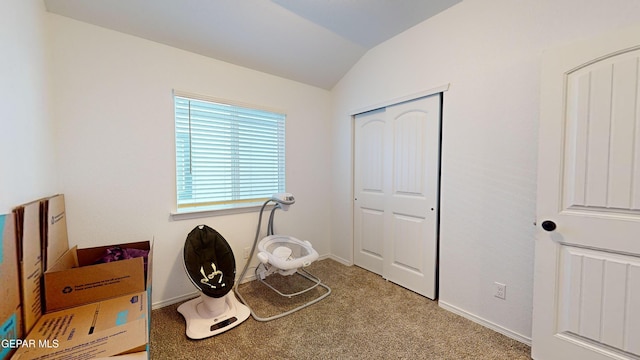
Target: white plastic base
206,316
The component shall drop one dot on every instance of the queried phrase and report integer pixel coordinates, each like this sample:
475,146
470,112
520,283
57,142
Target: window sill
210,212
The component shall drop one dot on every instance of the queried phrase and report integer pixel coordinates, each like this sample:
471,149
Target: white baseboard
174,300
338,259
185,297
486,323
248,278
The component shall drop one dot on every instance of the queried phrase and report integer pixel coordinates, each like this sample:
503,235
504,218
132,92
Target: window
227,156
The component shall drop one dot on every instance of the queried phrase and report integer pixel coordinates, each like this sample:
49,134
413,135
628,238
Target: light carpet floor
364,317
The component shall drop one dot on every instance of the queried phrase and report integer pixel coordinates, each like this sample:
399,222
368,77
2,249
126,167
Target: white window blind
227,155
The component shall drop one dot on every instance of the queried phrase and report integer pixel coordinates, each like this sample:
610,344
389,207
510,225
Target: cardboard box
107,328
76,280
10,312
41,231
30,262
142,355
54,236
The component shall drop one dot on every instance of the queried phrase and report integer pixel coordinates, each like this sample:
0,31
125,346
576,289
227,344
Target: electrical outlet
246,252
500,290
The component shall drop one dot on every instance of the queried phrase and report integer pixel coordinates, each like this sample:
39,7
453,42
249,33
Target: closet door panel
396,185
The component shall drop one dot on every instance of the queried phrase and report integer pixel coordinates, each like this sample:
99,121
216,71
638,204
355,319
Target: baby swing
211,267
282,254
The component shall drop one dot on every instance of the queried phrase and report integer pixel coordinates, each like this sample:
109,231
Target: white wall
27,150
107,119
114,117
489,51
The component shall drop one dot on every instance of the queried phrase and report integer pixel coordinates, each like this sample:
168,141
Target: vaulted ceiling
311,41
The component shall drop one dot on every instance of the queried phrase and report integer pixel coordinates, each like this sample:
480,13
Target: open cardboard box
10,312
41,237
75,280
107,328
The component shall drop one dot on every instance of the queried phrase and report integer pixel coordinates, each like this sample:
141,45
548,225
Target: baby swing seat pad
286,252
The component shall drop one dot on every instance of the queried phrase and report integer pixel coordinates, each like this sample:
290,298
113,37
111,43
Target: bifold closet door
370,179
396,185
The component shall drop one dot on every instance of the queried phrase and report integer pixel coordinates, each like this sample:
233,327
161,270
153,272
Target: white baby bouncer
284,255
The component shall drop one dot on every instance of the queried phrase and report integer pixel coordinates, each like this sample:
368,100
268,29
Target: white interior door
370,177
587,260
397,162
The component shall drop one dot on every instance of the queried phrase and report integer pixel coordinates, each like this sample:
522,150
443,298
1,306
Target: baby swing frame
265,268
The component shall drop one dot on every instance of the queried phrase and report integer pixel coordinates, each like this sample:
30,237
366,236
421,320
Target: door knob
548,225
